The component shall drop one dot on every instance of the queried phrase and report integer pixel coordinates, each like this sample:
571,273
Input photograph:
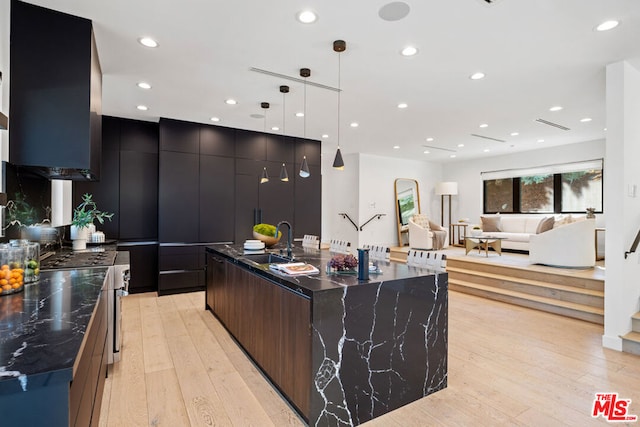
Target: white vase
475,232
79,236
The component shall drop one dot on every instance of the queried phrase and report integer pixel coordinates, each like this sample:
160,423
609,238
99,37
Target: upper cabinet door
280,149
217,141
176,135
178,195
250,145
217,199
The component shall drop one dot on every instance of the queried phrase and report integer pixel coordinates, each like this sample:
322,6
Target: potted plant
83,216
476,231
266,233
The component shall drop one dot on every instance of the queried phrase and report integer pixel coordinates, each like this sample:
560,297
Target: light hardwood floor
508,365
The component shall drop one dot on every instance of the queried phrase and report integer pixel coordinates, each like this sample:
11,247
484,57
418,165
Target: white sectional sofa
515,229
571,245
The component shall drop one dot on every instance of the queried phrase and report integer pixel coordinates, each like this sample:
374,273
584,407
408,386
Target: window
563,188
498,195
536,193
581,190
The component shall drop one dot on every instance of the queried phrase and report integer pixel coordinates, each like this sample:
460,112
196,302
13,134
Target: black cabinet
128,186
216,199
176,135
182,268
143,259
178,198
56,89
307,212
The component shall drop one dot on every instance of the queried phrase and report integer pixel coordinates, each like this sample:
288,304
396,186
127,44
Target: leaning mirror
407,204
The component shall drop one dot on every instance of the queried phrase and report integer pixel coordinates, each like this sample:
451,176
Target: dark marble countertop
42,327
308,285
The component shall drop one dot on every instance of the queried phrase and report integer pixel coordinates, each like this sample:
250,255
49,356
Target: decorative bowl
268,240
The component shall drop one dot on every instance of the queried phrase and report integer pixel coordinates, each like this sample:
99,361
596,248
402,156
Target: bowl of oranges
11,269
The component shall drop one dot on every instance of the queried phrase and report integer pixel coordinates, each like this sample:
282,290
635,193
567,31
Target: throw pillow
421,220
545,225
562,220
490,224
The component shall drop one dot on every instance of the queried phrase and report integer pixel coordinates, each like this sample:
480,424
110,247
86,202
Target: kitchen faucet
289,236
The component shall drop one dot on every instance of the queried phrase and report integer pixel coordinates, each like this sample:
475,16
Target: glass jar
31,261
12,262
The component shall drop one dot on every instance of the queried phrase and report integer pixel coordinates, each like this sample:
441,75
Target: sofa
516,230
571,245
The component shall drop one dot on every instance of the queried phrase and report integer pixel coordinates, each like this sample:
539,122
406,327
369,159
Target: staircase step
551,305
533,272
567,293
631,342
635,322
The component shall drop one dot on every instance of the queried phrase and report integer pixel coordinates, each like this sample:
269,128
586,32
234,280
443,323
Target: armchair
570,245
425,234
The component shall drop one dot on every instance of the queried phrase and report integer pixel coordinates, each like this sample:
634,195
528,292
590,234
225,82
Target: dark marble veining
42,327
376,345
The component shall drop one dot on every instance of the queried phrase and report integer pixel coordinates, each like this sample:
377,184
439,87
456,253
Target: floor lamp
446,189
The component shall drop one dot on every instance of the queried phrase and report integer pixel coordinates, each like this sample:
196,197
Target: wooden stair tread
521,295
632,336
530,282
458,262
636,316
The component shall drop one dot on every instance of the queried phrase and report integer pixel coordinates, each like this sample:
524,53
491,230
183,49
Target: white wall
366,187
622,292
468,202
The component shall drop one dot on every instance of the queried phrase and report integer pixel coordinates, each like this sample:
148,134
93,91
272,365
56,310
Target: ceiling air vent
555,125
489,1
487,137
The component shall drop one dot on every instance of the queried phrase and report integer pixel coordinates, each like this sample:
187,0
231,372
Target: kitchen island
342,351
52,341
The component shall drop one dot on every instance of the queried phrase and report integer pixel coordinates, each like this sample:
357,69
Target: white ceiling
535,54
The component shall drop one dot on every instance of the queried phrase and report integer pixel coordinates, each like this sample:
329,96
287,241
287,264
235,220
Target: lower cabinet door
172,282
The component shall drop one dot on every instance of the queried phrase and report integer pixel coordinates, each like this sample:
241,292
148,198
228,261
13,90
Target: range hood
55,94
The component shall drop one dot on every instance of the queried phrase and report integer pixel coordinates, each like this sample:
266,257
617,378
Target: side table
457,240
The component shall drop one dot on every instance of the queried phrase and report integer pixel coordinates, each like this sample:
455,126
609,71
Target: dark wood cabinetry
143,258
56,89
85,393
272,323
216,197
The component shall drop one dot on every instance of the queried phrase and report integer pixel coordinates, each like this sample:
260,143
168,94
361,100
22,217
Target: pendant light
304,168
284,176
265,107
339,46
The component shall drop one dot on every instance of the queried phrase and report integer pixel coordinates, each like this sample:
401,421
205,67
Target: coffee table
483,242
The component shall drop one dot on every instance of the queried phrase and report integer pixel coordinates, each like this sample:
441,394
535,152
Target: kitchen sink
268,258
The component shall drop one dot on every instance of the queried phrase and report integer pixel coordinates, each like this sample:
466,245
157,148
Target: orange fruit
3,282
4,267
6,287
17,285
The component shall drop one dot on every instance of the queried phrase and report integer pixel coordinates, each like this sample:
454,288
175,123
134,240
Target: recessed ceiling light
460,145
409,51
275,128
607,25
427,152
555,108
142,107
484,125
325,136
477,76
514,134
299,114
231,101
429,139
605,129
396,147
307,17
453,156
354,125
541,140
148,42
215,119
585,120
486,150
144,85
402,105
